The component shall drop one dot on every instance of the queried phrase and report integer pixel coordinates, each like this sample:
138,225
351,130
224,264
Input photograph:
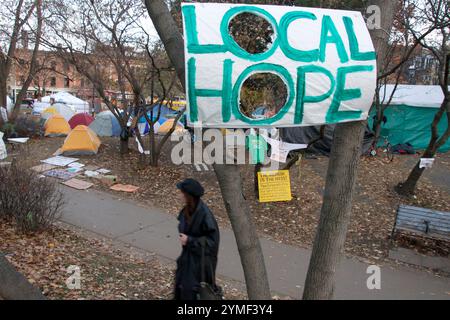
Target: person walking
199,238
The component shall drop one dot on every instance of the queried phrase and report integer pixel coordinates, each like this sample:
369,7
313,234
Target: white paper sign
4,114
281,150
325,58
59,161
3,152
426,163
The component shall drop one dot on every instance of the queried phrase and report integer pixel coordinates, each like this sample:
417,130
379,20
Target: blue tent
144,127
165,112
106,125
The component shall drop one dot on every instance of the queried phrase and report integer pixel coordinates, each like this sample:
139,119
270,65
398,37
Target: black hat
191,187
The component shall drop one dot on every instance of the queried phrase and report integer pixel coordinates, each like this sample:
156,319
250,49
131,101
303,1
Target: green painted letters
331,35
193,46
354,45
301,90
289,51
261,68
194,93
233,47
342,94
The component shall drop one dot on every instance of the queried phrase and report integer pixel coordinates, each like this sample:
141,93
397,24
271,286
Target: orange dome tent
56,126
81,141
167,126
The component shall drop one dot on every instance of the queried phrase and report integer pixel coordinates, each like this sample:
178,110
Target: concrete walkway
154,231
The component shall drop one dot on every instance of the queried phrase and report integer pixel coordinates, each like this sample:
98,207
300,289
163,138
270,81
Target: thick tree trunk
228,175
336,211
14,286
124,146
168,32
247,240
3,94
408,187
342,171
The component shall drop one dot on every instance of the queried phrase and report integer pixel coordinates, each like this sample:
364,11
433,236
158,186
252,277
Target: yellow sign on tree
274,186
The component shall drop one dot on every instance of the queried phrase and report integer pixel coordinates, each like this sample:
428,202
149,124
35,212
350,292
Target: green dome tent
410,115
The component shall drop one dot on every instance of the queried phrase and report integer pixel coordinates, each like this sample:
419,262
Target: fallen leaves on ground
107,273
295,222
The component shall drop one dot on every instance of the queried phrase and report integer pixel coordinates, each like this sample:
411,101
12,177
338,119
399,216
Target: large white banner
325,58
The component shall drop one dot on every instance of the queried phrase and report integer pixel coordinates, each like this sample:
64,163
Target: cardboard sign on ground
125,188
78,184
43,167
274,186
60,161
60,174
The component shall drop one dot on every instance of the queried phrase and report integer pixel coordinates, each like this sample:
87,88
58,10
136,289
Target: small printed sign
426,163
274,186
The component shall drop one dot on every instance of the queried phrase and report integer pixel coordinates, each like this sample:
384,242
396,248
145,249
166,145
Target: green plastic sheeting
408,124
257,146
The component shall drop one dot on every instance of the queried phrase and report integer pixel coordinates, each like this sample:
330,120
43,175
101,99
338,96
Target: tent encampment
81,141
410,114
408,120
56,126
48,113
78,105
106,125
58,108
80,119
304,135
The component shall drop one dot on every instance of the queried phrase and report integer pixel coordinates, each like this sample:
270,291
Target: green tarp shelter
410,114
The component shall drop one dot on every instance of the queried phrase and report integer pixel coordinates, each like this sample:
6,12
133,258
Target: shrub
24,126
32,203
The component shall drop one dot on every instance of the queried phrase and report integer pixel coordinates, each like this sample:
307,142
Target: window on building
66,82
53,81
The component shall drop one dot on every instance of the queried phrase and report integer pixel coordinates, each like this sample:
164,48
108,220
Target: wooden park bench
423,222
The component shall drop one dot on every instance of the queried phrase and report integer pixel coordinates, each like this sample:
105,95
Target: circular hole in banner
252,32
262,96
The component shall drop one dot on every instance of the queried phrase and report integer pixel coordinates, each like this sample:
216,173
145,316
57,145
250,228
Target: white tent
412,95
80,106
39,107
63,109
9,104
3,153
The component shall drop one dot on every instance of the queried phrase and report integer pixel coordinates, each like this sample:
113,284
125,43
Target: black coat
188,274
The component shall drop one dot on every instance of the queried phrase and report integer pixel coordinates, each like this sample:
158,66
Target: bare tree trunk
169,34
336,211
14,286
252,257
3,91
3,94
340,184
124,146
